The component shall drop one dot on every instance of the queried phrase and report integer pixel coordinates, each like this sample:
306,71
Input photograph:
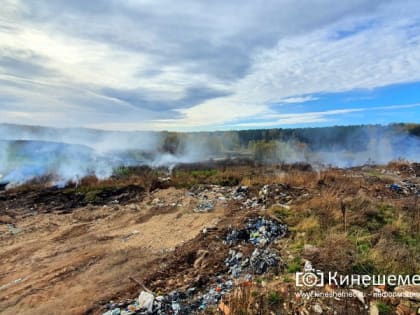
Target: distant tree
171,143
265,151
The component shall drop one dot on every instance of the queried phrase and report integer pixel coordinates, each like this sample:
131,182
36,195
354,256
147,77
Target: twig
141,285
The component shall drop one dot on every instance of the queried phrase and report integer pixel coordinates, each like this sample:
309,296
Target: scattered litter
258,232
146,301
405,187
204,206
14,230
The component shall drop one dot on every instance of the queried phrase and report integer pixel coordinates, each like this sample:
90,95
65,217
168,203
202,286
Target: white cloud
388,53
275,120
301,99
256,55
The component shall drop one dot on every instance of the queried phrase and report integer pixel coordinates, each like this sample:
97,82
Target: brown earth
61,263
71,251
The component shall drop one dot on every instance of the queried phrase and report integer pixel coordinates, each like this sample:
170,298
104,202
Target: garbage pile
405,187
205,205
257,264
255,237
209,195
258,231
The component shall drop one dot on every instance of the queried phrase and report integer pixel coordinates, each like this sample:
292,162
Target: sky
191,65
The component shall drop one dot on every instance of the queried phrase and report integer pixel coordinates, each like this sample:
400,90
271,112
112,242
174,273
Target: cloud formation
141,64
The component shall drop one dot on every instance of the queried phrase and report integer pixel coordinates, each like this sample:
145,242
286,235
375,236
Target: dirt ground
59,254
61,263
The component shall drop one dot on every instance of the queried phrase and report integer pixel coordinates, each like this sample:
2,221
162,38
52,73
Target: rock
317,308
146,301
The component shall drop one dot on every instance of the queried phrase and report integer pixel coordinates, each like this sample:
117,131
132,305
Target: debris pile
258,231
405,187
250,254
209,195
205,205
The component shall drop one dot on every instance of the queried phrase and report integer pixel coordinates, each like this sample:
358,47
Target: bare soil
55,262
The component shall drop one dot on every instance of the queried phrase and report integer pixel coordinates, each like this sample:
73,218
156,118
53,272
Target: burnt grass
48,199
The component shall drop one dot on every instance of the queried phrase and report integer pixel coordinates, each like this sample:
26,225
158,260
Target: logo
310,278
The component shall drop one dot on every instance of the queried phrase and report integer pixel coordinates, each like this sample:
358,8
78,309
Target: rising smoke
66,155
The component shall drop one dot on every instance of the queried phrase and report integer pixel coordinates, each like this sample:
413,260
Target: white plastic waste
146,301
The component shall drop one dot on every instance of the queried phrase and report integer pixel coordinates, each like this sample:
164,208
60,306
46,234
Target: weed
383,308
274,298
295,265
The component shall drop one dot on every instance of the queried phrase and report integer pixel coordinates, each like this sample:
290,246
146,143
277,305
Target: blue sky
200,65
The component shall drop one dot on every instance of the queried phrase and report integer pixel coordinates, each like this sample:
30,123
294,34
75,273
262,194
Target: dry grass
250,299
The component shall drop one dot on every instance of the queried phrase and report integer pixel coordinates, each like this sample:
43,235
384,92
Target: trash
405,187
204,206
359,295
258,233
14,230
261,260
115,311
146,301
308,266
3,185
317,308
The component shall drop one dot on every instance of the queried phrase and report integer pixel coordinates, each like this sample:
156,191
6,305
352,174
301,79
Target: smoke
22,161
67,155
63,155
362,146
